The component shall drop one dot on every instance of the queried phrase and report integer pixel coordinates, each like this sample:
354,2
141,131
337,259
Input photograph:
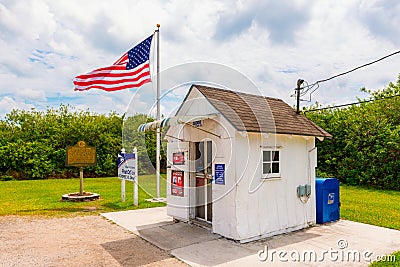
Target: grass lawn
42,197
371,206
387,263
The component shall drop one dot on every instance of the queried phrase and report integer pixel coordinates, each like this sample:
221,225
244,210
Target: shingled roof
254,113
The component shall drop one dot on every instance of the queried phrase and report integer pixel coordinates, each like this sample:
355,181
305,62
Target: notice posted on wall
178,158
177,183
219,173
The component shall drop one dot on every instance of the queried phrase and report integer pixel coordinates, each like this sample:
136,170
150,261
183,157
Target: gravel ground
78,241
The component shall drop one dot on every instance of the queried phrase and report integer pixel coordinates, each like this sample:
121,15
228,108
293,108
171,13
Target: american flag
131,70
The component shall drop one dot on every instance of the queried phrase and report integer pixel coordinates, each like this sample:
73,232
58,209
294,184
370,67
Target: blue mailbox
327,200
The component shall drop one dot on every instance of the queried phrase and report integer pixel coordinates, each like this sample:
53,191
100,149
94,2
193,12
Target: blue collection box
327,200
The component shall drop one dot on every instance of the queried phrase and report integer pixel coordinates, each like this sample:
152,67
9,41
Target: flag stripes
130,71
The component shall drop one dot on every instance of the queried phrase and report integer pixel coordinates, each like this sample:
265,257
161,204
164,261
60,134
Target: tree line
364,150
33,143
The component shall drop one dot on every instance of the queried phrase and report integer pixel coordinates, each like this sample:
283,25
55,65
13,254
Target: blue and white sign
127,167
331,198
219,173
197,123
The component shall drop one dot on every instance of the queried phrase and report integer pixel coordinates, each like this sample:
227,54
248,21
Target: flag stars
139,54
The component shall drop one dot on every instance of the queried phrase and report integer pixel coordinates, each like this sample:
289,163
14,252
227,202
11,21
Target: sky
251,46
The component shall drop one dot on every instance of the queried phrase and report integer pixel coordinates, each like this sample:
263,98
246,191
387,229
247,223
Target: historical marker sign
81,155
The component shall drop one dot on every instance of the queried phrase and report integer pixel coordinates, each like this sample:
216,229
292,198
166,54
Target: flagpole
158,113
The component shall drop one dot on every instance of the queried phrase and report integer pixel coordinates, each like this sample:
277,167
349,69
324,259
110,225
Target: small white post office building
242,164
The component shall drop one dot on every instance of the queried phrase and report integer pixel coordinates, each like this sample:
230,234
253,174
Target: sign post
81,156
135,190
123,190
127,170
81,181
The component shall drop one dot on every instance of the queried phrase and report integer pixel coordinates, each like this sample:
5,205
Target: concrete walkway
337,244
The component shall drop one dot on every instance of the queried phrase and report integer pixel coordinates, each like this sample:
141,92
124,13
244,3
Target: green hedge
33,143
365,149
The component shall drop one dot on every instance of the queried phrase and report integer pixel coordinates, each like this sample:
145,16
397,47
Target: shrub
365,149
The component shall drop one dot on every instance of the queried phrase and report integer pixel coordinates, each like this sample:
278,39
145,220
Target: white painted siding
224,204
196,104
274,206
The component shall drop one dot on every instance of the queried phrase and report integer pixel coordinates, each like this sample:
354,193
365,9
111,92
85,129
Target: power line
350,104
359,67
309,87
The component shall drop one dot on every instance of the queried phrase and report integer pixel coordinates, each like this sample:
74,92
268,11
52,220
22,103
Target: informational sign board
80,155
128,171
219,173
178,158
177,183
127,167
197,123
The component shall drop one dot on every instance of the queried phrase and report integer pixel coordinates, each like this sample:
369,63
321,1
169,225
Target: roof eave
288,133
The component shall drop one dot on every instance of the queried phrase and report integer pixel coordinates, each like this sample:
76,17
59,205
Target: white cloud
31,94
27,20
7,104
46,43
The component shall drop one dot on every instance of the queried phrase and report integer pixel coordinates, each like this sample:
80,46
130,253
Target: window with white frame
271,163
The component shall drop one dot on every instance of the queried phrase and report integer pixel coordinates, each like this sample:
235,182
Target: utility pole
299,83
